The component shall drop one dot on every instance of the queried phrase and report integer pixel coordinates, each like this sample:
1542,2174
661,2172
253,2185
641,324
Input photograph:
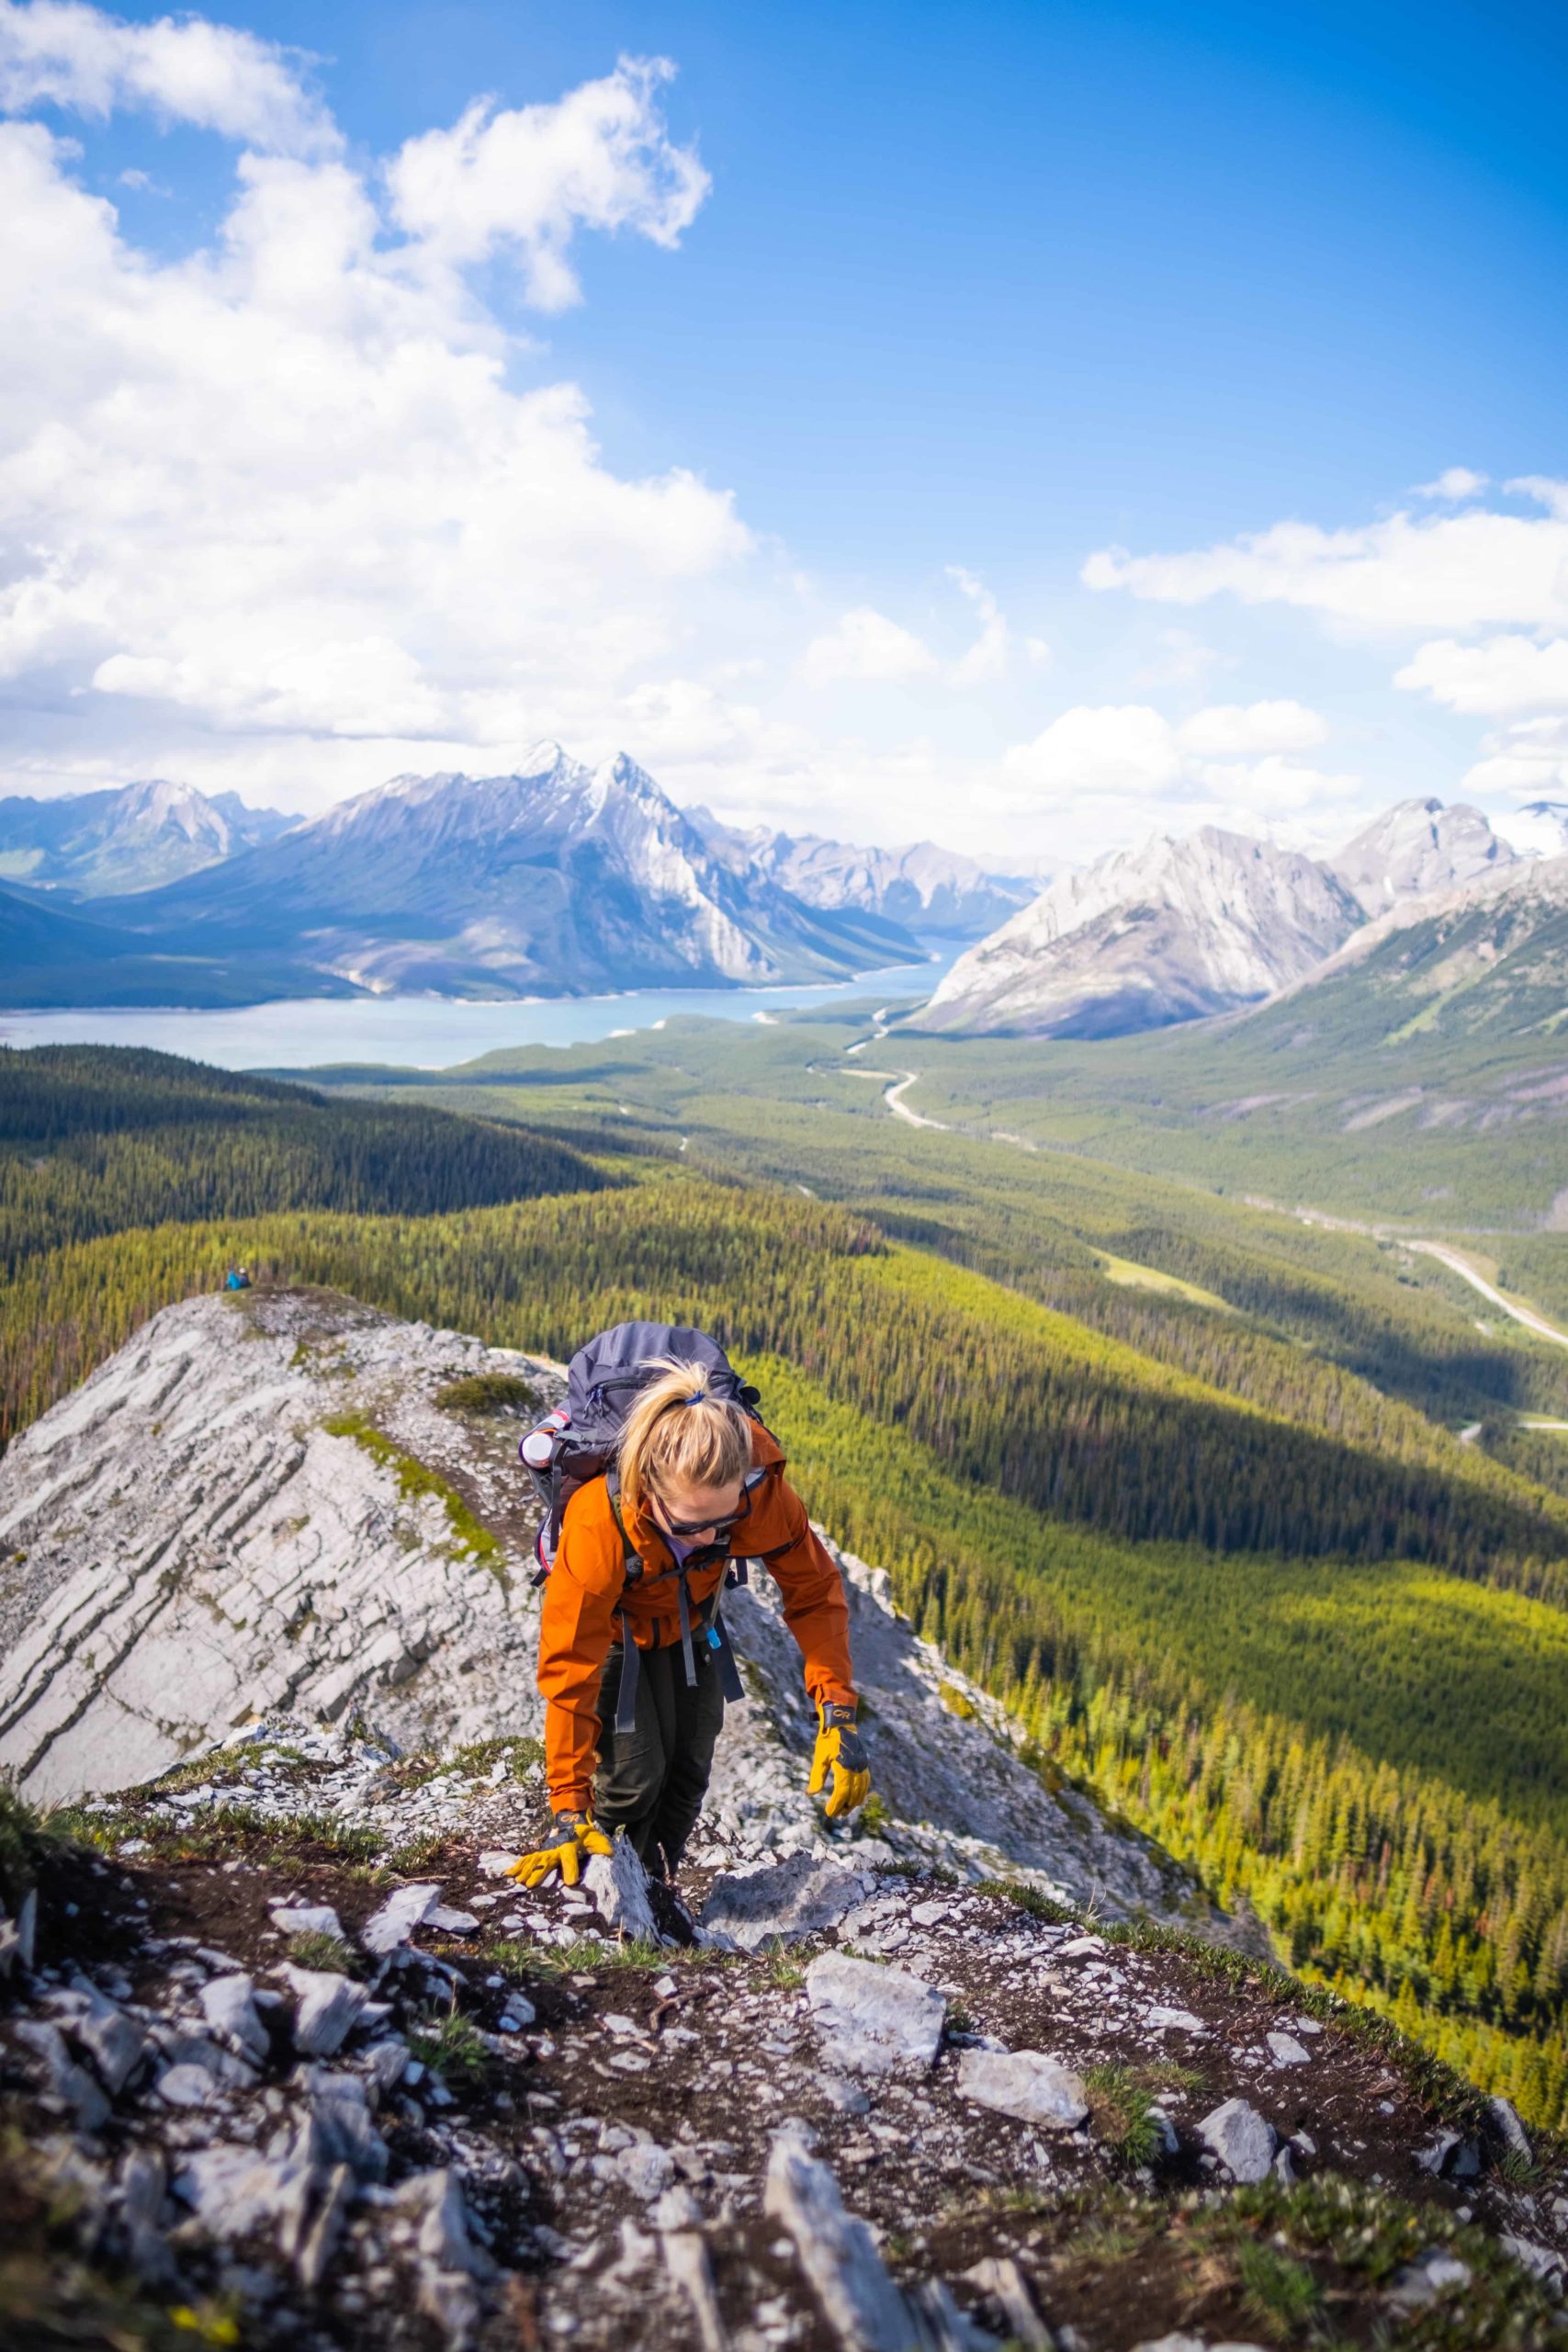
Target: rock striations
1146,937
291,2061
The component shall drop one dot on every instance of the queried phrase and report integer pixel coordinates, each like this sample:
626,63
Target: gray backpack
580,1442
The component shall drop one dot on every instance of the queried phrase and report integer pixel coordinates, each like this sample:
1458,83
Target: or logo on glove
578,1837
840,1763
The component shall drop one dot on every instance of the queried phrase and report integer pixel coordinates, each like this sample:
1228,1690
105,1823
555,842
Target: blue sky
967,299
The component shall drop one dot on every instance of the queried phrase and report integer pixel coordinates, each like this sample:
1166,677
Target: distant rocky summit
937,892
1146,937
127,837
1416,848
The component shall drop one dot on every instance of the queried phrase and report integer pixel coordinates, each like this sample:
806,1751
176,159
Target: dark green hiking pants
652,1779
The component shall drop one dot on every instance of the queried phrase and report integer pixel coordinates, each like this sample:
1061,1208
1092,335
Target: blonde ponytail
679,1433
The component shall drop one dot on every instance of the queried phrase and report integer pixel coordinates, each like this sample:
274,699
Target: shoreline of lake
434,1033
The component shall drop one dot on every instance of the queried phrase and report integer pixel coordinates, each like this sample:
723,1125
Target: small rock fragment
63,2079
115,2043
321,2239
1160,2019
1504,2118
1025,2083
328,2004
1241,2138
229,2006
686,2258
341,2109
1287,2050
397,1918
1433,2273
1000,2278
307,1920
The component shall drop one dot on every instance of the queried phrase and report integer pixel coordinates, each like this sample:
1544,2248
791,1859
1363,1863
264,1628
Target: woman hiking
641,1560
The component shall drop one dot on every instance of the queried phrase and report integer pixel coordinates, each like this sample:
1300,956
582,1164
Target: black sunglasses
707,1526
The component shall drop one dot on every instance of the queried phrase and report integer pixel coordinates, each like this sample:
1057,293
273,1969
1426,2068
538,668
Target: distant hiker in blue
238,1279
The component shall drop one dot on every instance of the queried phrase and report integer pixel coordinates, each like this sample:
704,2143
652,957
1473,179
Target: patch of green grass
1027,1898
524,1757
195,1772
415,1480
784,1973
408,1860
488,1392
1170,2074
453,2048
317,1948
958,2018
1278,2291
1120,2113
28,1834
221,1832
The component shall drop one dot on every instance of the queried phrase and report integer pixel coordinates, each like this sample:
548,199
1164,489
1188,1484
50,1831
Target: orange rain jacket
587,1590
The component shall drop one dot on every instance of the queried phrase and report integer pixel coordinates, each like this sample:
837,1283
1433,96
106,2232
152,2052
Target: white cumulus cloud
1458,571
528,178
1228,730
1454,484
987,659
866,645
62,54
1504,673
287,487
1108,747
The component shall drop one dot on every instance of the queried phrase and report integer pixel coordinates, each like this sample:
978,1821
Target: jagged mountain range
937,892
556,879
127,837
1215,923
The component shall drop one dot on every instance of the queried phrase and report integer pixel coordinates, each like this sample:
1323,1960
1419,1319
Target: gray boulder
328,2006
873,2021
1243,2140
1025,2083
861,2304
618,1884
397,1918
227,2003
799,1896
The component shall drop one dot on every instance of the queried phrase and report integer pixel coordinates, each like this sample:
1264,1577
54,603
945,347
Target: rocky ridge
283,2077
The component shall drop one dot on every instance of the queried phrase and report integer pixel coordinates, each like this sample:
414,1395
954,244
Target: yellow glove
578,1837
840,1764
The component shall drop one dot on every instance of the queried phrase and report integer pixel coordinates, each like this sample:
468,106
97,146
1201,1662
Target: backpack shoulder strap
631,1558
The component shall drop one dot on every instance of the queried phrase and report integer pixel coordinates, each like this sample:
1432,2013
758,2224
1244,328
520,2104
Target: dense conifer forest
1266,1604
